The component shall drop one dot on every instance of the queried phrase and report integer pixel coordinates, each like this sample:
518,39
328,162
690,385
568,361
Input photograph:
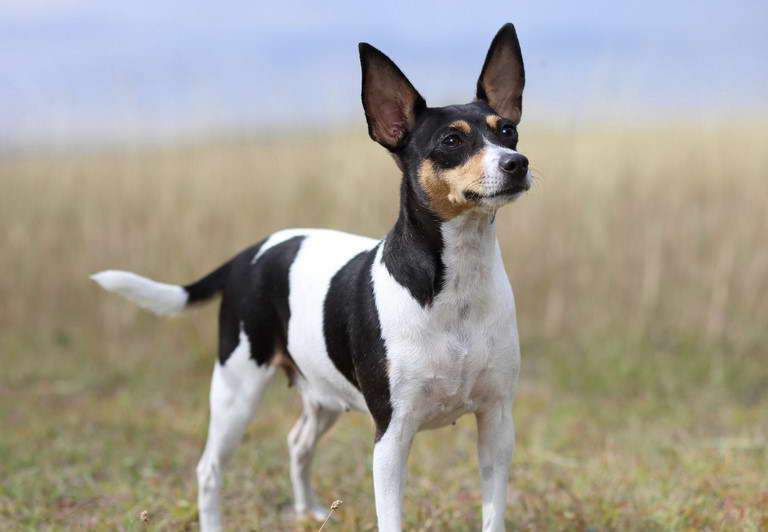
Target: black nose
515,164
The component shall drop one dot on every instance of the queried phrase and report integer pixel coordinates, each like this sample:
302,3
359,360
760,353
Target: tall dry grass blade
334,506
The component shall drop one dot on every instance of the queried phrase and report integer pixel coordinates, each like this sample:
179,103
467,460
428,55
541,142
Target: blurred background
73,68
162,137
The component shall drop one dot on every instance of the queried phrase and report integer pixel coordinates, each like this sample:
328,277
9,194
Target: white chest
462,351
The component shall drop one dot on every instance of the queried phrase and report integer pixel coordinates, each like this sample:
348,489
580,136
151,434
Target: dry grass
641,273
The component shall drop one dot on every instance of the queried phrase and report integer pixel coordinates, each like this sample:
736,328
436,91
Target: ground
640,269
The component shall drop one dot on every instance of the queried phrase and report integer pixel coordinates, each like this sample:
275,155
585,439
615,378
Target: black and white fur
417,329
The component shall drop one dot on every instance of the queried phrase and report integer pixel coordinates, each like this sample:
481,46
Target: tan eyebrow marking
461,125
492,121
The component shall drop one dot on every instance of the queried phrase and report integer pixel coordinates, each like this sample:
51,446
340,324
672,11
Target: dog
416,329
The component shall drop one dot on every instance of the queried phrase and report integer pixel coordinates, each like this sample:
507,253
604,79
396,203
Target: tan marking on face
461,125
492,121
446,188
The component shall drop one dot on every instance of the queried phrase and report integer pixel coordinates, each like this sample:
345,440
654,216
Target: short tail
161,298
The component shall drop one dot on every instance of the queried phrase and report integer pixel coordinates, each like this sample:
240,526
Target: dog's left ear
503,77
391,103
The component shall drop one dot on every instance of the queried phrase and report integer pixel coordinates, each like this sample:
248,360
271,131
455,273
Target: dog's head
458,157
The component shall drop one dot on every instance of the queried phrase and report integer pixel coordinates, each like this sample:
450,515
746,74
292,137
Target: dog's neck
426,254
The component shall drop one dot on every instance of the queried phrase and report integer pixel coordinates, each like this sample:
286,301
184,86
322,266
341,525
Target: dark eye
452,140
507,130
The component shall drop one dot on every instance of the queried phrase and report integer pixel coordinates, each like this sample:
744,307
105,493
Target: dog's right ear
390,102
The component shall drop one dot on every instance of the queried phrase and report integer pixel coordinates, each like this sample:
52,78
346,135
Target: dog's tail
161,298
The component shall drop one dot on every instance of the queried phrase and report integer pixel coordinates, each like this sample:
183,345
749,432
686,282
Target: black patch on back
353,335
256,295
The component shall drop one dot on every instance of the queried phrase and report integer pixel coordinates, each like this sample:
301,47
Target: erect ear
391,103
503,77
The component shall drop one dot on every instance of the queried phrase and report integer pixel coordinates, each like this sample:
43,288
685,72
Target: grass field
640,266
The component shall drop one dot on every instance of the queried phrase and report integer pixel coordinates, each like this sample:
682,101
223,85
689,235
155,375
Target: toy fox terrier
416,329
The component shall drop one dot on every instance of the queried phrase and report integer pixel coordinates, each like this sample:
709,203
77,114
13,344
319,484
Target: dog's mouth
512,190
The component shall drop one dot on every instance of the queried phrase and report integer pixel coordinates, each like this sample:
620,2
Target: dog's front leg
390,457
496,442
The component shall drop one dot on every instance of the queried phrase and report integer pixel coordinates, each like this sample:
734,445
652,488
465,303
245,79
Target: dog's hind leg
313,423
235,391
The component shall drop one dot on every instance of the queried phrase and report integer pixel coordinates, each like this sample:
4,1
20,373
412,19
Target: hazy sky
80,68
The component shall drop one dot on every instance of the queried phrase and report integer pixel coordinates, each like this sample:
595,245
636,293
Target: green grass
640,282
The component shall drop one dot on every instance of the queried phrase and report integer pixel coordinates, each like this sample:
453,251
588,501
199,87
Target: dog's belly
442,402
321,256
